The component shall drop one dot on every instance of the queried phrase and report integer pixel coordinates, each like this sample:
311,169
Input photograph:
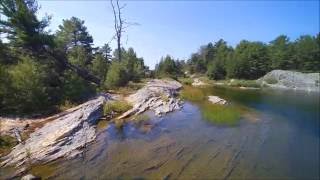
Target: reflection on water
283,142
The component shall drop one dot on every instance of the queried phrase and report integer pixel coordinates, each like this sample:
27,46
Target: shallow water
278,137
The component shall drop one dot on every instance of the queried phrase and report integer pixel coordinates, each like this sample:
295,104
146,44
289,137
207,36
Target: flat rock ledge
217,100
198,82
62,137
157,95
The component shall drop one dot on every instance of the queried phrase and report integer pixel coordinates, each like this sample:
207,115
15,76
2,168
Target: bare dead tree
120,24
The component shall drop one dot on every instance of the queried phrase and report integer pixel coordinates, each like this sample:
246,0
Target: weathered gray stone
157,95
62,137
291,80
217,100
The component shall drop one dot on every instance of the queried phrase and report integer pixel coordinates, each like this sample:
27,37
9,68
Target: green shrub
116,107
116,76
28,90
186,81
216,71
76,89
100,66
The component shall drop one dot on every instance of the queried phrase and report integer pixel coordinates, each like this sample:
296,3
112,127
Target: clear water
277,138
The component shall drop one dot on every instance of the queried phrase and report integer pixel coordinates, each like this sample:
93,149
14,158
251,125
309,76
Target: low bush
186,81
244,83
116,76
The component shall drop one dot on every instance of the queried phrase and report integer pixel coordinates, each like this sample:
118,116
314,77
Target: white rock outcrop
217,100
158,96
291,80
62,137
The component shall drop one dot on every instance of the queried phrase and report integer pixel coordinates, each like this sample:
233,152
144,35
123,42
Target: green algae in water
192,94
220,115
141,118
217,114
102,124
45,171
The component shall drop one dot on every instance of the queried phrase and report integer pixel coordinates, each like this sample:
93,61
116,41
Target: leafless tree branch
120,24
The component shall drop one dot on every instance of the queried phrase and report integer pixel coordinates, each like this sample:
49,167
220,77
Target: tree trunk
119,48
80,71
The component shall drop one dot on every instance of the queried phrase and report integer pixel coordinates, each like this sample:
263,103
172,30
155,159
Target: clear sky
179,27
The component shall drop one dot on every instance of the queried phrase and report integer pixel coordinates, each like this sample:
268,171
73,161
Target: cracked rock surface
158,96
64,136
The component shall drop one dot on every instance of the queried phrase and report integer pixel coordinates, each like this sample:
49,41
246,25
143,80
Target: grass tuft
116,107
192,94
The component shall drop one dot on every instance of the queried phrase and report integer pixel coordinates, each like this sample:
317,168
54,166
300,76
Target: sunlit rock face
292,80
62,137
158,96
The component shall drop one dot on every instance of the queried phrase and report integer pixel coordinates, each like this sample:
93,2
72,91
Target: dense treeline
248,60
168,67
40,70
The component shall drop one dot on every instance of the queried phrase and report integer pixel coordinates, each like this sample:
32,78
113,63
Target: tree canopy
40,70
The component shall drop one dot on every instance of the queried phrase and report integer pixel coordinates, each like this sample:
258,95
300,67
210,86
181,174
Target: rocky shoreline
62,137
67,134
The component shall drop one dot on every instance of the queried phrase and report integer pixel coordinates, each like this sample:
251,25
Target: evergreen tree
217,67
306,51
73,33
168,67
250,60
281,53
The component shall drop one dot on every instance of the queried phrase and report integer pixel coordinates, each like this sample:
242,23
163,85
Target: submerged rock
64,136
217,100
157,95
291,80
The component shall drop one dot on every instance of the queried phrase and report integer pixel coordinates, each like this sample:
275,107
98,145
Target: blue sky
179,27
